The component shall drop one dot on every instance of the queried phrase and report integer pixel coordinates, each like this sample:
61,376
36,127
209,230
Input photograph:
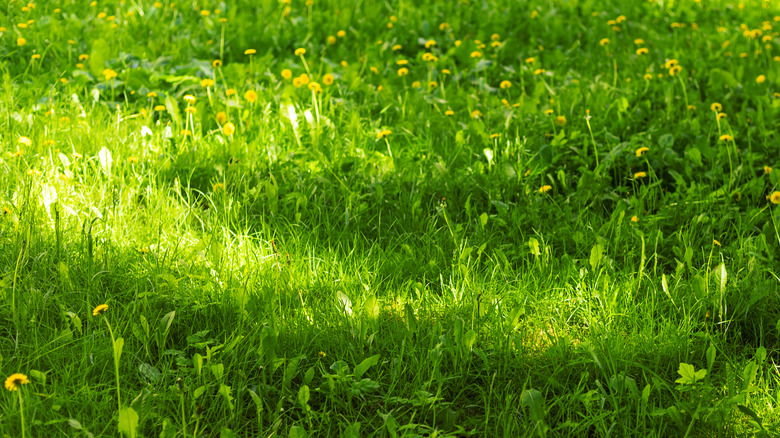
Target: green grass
538,230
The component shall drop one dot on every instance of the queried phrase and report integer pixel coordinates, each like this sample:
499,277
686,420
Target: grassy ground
345,218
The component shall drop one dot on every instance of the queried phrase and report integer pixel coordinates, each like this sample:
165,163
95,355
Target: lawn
470,218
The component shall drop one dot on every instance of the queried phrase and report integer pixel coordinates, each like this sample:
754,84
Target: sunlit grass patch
318,218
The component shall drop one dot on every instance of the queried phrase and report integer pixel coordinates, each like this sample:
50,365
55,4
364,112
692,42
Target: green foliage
562,227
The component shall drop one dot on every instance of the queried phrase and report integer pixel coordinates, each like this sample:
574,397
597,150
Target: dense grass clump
343,218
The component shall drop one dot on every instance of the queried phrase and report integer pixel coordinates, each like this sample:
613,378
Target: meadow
517,218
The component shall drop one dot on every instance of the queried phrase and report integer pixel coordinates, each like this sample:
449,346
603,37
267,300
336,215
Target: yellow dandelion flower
445,71
189,98
315,87
722,116
648,76
774,198
403,71
641,51
99,309
228,129
25,141
476,54
449,112
634,218
286,74
545,188
674,70
132,160
530,60
430,57
328,79
641,151
767,170
494,136
604,41
726,137
217,187
397,47
159,108
109,74
190,110
331,40
15,381
402,62
433,84
429,44
716,107
640,175
476,114
374,70
207,83
670,63
505,84
639,41
300,52
250,96
298,82
216,63
760,79
250,52
457,43
383,134
548,112
560,120
416,84
341,34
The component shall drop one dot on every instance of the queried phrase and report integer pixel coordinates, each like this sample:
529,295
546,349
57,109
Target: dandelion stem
685,93
183,418
21,410
116,364
593,139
